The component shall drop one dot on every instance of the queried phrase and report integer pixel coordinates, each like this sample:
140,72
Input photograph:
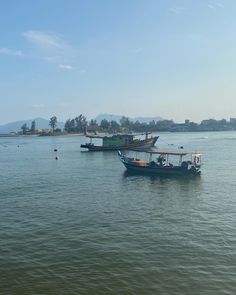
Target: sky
170,58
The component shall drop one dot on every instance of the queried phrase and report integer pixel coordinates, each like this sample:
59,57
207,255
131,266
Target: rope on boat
171,144
3,145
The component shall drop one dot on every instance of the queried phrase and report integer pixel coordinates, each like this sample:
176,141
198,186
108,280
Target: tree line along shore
80,125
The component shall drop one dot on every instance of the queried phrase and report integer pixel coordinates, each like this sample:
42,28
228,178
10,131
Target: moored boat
120,142
163,165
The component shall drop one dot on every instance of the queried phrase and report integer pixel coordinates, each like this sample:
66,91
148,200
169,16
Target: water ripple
81,225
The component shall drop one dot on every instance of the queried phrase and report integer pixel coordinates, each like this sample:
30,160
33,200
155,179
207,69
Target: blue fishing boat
163,164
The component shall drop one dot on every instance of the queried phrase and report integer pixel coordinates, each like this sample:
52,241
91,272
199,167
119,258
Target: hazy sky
172,58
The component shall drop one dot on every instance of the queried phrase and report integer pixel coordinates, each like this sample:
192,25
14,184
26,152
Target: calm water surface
81,225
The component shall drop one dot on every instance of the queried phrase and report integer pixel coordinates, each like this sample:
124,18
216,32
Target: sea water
83,225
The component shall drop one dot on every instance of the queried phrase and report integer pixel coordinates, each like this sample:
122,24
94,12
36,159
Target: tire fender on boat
184,165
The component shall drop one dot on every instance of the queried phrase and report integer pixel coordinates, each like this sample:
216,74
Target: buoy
56,158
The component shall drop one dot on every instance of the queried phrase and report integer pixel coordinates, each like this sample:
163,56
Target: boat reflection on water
164,184
133,175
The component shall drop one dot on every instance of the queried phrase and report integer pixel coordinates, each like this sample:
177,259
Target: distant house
181,127
43,130
92,129
209,122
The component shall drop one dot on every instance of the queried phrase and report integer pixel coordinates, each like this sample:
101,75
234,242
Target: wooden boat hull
138,144
158,170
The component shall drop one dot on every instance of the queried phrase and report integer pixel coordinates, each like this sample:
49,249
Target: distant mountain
16,126
117,118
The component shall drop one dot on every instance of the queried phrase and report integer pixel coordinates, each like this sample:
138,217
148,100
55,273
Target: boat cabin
117,140
165,157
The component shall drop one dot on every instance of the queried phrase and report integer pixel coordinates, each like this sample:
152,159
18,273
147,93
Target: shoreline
82,134
39,135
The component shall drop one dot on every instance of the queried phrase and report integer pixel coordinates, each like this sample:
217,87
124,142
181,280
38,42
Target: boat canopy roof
117,135
173,153
110,136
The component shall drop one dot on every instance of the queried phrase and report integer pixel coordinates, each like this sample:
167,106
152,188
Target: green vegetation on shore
81,125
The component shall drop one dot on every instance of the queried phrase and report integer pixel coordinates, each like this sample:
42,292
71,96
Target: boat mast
150,157
180,160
